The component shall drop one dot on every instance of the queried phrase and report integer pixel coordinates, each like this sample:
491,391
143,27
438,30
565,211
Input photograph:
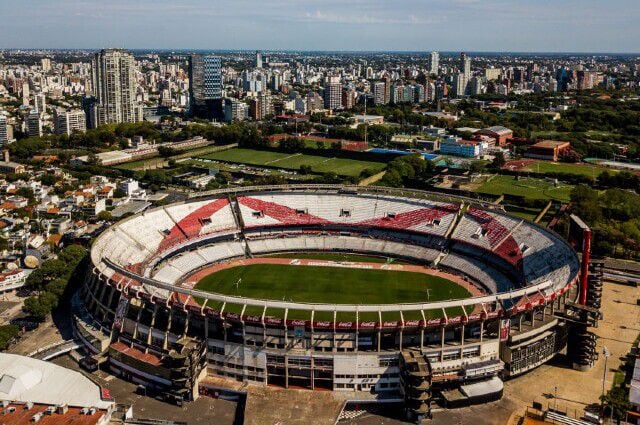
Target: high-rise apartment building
34,124
349,98
434,63
40,103
4,137
258,59
46,64
261,106
332,93
68,121
465,65
379,93
492,74
460,84
115,86
465,71
205,86
234,110
369,73
25,93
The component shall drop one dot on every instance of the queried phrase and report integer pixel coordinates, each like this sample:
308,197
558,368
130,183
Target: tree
305,169
119,193
36,308
26,192
617,401
291,144
4,244
104,216
7,334
92,159
166,151
477,166
498,160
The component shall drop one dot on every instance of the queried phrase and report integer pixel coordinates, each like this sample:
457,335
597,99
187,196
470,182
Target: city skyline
471,25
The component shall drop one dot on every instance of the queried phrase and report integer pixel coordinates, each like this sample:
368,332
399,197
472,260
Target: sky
371,25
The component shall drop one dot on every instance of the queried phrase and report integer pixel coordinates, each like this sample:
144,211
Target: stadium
433,297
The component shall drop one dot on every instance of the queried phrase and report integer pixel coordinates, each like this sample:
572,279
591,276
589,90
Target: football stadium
432,297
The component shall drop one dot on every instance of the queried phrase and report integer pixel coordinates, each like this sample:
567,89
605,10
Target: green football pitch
293,161
330,285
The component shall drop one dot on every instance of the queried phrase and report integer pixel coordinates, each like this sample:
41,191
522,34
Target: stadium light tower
606,353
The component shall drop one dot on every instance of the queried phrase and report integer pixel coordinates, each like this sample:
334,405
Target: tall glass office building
205,86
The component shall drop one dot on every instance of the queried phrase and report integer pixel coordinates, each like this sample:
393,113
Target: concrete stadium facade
138,309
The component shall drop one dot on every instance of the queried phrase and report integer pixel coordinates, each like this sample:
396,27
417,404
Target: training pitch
293,161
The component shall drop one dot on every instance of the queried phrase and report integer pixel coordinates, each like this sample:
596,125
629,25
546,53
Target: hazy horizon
507,26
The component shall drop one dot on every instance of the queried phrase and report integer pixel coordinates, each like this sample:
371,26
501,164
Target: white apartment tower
46,64
434,63
114,82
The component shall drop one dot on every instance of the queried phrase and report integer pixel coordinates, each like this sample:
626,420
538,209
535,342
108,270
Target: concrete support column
442,344
153,322
165,343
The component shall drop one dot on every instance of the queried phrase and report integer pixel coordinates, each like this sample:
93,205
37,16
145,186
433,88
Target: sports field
331,285
561,167
293,161
527,187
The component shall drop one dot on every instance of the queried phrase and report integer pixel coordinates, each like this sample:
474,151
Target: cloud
362,19
539,25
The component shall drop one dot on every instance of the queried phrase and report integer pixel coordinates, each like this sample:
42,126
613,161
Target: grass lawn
289,161
140,163
561,167
526,213
527,187
334,285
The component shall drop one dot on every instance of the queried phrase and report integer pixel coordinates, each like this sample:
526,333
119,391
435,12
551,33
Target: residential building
460,84
46,64
434,63
349,98
69,121
465,65
379,93
492,74
234,110
34,124
40,103
261,107
115,86
25,93
4,137
332,93
130,187
315,102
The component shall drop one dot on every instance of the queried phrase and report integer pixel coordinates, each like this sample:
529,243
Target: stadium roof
25,379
